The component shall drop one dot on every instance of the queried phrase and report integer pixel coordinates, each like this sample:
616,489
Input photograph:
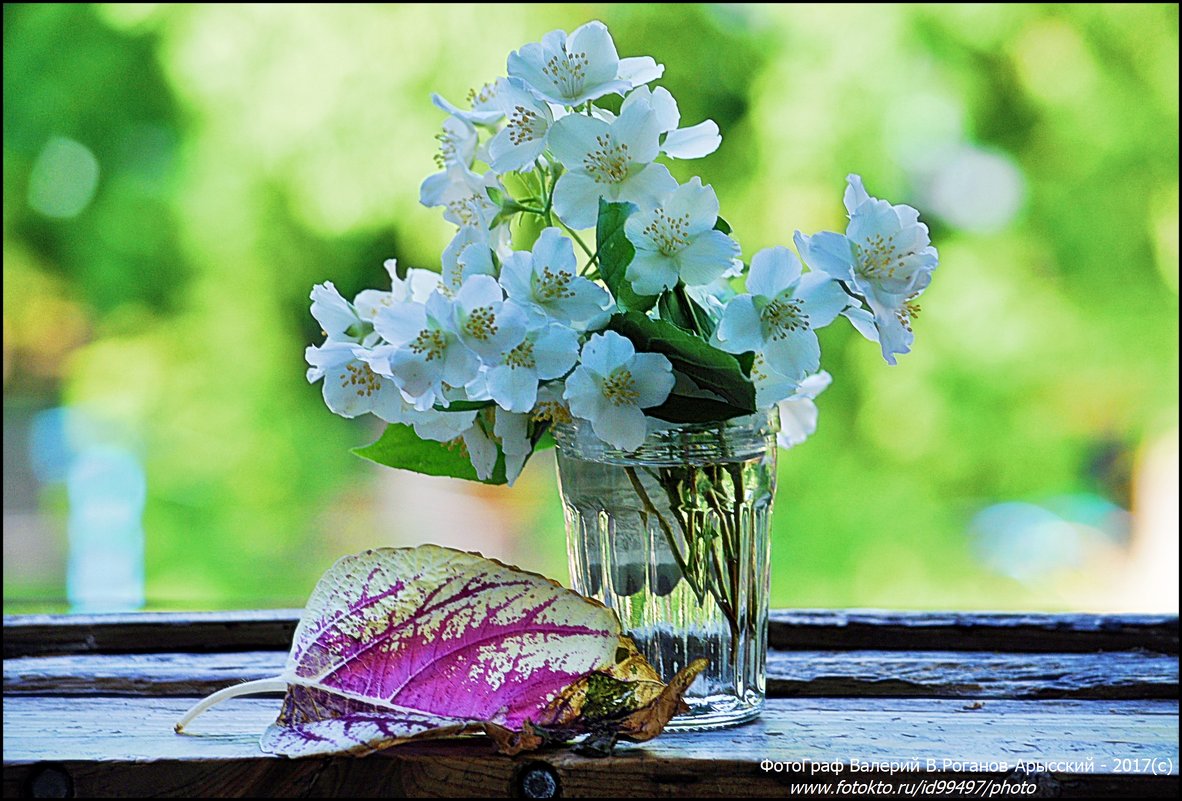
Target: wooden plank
454,770
125,746
964,631
38,728
29,635
138,674
841,674
140,632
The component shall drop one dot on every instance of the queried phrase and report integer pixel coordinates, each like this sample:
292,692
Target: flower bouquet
588,298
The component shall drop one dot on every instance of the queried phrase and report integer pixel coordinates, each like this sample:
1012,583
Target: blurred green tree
246,152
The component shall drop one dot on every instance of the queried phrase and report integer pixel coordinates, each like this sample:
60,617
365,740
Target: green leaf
543,440
615,254
713,370
503,216
704,323
691,409
670,309
680,309
464,406
722,225
527,230
400,447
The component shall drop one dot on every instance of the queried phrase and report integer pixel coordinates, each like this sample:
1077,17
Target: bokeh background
176,177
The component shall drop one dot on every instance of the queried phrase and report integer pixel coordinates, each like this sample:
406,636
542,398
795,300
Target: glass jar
675,537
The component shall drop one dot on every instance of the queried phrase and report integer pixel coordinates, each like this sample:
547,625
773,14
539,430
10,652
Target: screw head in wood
537,780
49,780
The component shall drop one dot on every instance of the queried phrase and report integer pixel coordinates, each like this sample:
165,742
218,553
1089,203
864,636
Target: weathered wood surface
90,702
939,674
455,770
145,632
841,674
138,674
970,631
131,740
30,635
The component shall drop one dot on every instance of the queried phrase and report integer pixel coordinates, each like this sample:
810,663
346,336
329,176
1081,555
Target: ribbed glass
675,538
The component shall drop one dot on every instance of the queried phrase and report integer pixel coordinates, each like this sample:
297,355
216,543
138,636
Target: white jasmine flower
569,70
550,406
482,449
439,426
862,321
546,353
714,296
424,351
417,287
780,314
693,142
639,70
463,194
885,256
457,144
335,314
513,432
609,160
342,321
351,387
483,322
612,384
546,284
771,386
483,108
659,101
798,414
675,239
509,434
469,253
527,122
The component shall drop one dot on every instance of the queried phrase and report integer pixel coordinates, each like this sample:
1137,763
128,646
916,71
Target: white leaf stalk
275,685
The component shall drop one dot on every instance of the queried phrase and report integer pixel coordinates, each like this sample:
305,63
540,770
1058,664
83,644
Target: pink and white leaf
406,643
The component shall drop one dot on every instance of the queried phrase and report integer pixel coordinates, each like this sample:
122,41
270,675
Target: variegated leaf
450,633
400,644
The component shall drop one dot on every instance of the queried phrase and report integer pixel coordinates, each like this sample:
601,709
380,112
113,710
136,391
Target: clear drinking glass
675,538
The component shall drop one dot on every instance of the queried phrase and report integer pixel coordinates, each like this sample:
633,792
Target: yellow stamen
481,323
522,356
784,316
568,71
360,377
430,341
609,163
668,233
620,387
553,285
552,412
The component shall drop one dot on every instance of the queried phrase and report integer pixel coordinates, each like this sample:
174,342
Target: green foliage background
246,152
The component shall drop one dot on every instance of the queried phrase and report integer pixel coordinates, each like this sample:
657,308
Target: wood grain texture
965,631
120,729
840,674
90,702
454,770
182,674
28,635
145,632
125,746
941,674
